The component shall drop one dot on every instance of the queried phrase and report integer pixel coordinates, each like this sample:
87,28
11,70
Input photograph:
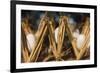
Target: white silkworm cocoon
31,40
80,38
56,33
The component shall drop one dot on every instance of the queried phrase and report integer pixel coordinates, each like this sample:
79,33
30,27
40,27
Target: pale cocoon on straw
80,38
56,33
31,40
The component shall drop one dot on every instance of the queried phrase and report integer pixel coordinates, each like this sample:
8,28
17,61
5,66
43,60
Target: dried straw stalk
52,41
70,36
86,32
60,36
